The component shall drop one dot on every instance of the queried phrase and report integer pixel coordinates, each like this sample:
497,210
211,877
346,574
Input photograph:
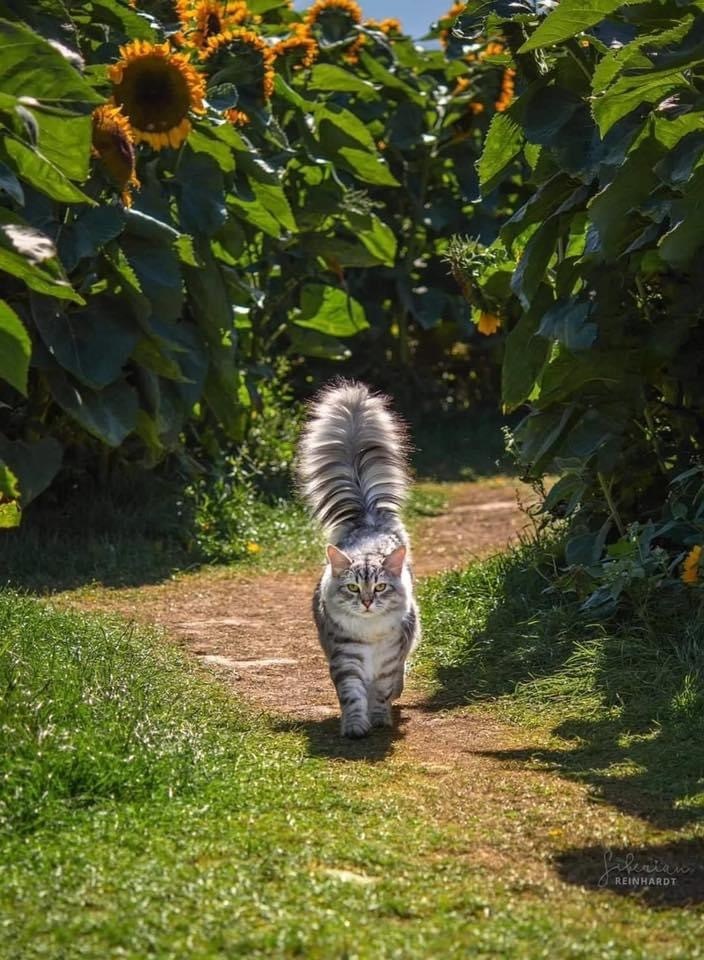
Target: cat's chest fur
372,629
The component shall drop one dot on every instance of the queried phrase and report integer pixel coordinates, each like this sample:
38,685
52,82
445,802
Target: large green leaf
330,310
531,268
632,184
88,234
338,127
34,167
109,414
93,343
685,239
65,141
367,167
158,271
394,87
29,255
502,145
377,236
568,323
326,76
569,19
34,464
628,93
525,355
15,348
201,193
31,67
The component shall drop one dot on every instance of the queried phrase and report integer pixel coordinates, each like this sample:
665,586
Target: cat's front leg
380,709
382,691
348,676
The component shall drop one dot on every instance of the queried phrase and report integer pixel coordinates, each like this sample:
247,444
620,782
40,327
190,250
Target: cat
353,473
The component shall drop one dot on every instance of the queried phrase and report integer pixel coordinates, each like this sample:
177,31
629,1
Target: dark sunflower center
212,26
155,94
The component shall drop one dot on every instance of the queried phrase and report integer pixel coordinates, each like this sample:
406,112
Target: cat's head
367,585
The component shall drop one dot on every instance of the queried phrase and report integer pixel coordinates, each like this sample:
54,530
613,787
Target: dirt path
256,630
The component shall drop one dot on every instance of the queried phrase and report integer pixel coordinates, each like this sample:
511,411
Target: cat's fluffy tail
352,457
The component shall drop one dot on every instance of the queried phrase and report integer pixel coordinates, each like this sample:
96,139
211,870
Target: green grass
147,813
622,698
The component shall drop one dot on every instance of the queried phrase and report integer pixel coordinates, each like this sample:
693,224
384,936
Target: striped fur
353,473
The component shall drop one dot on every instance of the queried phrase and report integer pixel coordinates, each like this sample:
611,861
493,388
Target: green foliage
599,156
148,283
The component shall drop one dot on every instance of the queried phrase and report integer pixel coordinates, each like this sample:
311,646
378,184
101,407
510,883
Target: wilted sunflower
156,88
690,571
208,18
257,57
113,144
488,323
300,47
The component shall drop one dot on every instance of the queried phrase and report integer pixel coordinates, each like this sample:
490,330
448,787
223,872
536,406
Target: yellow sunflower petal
690,570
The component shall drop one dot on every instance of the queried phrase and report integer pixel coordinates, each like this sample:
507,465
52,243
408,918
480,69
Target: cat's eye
379,587
354,587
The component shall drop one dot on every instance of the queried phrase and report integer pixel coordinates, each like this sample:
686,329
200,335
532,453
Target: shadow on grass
626,696
659,875
323,738
137,531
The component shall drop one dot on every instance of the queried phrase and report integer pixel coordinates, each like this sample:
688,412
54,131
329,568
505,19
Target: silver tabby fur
352,470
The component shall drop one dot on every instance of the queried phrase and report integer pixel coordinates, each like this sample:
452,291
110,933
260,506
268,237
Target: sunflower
321,7
488,323
300,46
208,18
690,571
388,26
256,55
113,143
156,88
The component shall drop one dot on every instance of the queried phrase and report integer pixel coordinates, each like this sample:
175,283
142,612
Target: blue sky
415,15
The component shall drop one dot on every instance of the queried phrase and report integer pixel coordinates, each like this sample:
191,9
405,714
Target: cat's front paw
381,716
355,727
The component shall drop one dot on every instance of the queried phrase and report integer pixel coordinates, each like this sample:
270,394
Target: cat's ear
394,562
339,561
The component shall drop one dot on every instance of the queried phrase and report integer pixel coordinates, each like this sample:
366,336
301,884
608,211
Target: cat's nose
367,603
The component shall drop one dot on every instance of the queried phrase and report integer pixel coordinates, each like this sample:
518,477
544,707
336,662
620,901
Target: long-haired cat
352,470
